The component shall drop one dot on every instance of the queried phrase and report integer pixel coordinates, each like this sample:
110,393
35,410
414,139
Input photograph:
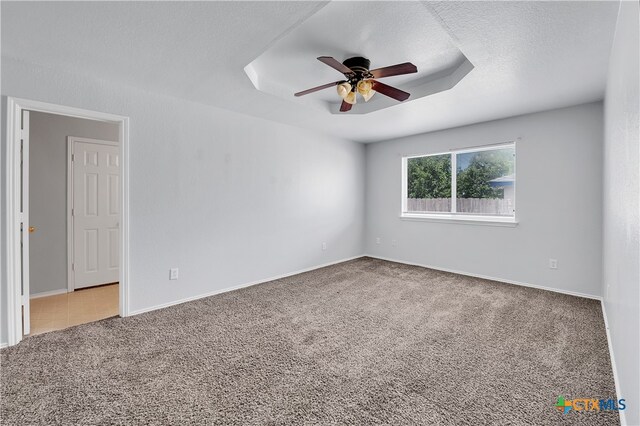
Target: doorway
93,283
73,184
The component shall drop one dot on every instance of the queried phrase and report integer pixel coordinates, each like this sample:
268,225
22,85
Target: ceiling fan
359,79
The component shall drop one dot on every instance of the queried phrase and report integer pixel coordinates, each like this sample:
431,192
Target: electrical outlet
173,273
553,263
394,243
377,240
324,246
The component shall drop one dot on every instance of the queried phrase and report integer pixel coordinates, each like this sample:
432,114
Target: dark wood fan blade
389,91
399,69
315,89
333,63
346,106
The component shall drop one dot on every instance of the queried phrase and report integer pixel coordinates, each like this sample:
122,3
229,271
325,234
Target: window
462,183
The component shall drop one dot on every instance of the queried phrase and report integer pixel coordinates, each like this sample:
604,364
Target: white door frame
71,281
15,106
25,228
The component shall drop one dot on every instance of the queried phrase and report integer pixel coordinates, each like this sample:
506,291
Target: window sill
460,219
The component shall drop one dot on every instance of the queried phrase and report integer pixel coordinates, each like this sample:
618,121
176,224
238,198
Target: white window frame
454,216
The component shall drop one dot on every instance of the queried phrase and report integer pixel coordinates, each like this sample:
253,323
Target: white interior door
95,211
25,228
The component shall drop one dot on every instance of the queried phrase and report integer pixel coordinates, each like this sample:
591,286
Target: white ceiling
385,33
528,56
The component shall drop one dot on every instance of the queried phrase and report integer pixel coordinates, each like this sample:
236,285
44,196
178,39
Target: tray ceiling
380,31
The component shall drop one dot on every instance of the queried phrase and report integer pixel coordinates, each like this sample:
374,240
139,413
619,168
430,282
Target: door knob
32,229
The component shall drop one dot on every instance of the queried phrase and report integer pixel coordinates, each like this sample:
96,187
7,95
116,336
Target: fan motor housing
359,65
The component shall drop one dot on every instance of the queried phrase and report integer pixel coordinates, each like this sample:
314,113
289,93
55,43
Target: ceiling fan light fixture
365,89
359,79
369,95
364,86
344,89
350,98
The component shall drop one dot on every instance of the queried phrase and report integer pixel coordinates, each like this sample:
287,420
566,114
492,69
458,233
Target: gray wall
229,199
558,203
622,208
48,193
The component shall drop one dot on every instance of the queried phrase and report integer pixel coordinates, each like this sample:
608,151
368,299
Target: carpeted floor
361,343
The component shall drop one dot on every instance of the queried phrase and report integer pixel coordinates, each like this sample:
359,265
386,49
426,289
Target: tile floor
65,310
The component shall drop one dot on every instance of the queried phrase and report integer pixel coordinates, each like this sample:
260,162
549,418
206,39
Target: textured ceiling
346,29
528,56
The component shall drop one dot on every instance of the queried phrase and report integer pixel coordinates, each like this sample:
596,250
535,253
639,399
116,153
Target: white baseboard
3,345
237,287
485,277
623,420
48,293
